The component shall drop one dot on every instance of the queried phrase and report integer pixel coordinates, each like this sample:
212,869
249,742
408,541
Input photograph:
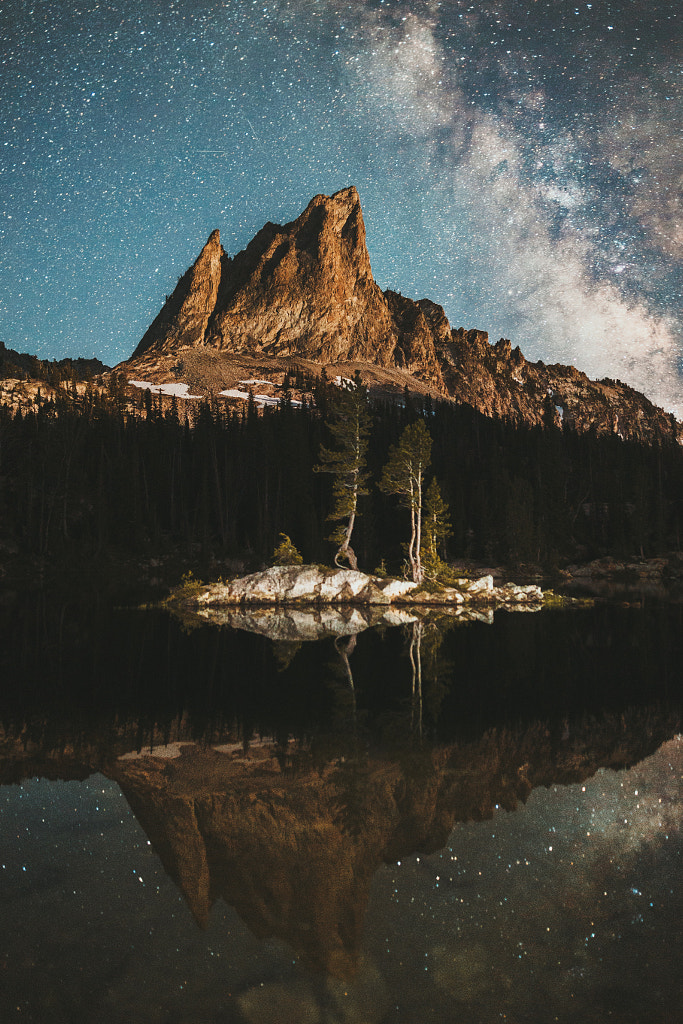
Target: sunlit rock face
290,584
306,290
184,317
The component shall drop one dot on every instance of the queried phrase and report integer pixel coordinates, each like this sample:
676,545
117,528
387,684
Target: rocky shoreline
320,585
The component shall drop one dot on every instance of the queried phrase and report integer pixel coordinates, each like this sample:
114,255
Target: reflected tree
415,653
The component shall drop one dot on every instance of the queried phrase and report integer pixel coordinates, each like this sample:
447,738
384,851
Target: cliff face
305,290
185,315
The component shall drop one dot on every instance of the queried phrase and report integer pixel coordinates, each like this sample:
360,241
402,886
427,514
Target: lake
426,820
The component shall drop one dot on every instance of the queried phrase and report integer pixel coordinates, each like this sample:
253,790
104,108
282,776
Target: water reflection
405,879
292,841
302,624
349,851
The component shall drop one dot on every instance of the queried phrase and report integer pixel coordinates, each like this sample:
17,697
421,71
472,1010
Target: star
509,147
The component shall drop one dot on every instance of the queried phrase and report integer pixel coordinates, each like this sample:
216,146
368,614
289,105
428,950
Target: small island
310,602
300,585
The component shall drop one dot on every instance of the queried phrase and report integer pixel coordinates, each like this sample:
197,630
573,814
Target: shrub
286,553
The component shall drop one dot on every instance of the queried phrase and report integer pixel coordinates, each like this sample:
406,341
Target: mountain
26,381
304,291
21,366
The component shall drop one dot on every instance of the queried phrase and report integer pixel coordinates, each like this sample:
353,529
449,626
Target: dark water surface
433,821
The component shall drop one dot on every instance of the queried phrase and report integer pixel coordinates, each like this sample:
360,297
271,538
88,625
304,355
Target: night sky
520,163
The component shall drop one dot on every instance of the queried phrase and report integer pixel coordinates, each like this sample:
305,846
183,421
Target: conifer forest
86,477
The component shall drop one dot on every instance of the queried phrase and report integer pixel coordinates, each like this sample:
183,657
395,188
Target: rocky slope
304,293
26,381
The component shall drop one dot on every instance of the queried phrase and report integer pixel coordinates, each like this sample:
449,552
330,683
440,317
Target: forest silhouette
84,476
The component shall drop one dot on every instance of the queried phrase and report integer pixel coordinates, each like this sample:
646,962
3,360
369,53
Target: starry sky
518,162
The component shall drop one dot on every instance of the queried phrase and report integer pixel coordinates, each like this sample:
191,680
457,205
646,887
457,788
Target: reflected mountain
292,844
279,775
291,834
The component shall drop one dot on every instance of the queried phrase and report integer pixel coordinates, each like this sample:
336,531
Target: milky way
519,163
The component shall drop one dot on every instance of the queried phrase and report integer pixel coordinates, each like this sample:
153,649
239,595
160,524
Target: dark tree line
88,478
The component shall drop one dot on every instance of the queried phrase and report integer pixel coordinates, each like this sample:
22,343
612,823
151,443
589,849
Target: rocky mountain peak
185,314
306,290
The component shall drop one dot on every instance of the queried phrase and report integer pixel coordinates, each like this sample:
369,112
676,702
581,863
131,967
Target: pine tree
286,553
349,425
436,528
404,475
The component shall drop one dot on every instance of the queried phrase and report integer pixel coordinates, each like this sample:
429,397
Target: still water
425,820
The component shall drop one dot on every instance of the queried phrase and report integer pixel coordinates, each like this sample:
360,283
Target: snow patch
260,400
234,393
343,382
167,751
179,390
255,382
560,411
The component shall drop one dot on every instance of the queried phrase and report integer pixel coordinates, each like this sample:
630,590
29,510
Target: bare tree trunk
411,546
418,533
345,551
345,646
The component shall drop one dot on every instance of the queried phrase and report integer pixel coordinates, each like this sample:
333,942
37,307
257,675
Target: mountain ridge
305,290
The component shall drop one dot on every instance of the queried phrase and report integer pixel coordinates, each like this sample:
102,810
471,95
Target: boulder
480,586
395,588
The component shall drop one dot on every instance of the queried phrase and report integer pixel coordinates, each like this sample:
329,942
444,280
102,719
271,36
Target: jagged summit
185,314
305,290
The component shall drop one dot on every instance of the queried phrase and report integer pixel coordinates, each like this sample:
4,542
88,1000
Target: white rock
349,581
395,588
481,586
302,584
